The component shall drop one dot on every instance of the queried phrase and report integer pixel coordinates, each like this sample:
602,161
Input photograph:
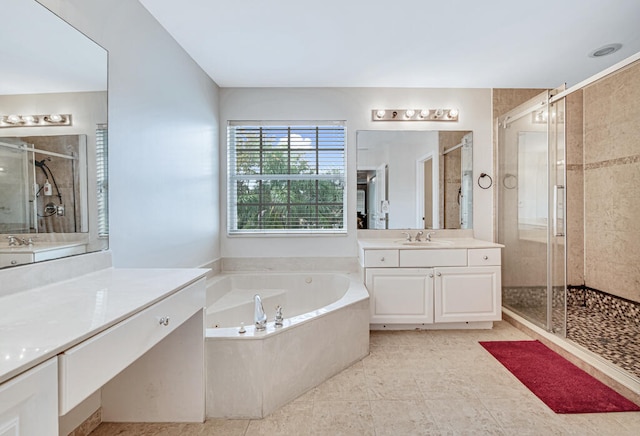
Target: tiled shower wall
611,159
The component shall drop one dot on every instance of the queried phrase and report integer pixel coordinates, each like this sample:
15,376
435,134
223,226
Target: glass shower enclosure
531,211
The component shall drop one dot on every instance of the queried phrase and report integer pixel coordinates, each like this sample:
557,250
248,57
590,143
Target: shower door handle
557,197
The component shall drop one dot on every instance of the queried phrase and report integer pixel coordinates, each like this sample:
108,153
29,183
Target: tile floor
413,383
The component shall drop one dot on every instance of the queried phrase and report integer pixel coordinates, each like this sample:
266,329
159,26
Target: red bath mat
560,384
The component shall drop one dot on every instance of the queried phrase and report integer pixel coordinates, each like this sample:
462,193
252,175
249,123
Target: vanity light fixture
14,120
414,114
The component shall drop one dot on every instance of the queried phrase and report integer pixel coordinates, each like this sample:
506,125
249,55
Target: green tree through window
287,178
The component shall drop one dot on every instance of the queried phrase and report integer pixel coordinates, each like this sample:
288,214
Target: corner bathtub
325,330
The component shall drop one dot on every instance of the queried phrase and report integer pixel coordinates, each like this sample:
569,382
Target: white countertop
42,322
437,243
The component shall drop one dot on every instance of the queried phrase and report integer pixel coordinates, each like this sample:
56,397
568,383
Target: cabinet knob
382,259
164,321
438,274
485,257
431,275
14,262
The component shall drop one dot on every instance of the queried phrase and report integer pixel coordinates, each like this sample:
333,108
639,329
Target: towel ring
482,176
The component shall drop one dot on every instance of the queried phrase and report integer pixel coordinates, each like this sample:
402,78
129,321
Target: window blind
102,183
286,178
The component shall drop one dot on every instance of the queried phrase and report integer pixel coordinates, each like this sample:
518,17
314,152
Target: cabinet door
29,402
400,295
467,294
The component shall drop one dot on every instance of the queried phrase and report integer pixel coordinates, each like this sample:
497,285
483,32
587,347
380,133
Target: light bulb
438,113
13,119
424,113
453,113
409,113
380,113
55,118
29,119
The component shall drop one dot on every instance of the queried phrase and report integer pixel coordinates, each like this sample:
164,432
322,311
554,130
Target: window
286,178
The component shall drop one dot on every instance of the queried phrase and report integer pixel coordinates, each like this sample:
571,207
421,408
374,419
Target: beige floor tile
629,420
443,384
342,418
293,419
463,417
395,418
389,385
527,416
595,424
222,427
350,384
139,429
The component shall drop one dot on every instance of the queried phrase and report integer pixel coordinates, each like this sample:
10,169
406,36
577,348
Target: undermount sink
427,243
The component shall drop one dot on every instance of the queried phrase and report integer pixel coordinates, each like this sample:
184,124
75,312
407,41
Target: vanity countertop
40,323
437,243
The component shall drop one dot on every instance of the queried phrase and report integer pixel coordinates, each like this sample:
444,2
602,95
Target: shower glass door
530,215
14,189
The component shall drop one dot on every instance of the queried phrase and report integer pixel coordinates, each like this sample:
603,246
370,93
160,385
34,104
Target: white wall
353,105
163,138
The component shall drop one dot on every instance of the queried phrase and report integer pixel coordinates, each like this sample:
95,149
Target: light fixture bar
414,115
14,120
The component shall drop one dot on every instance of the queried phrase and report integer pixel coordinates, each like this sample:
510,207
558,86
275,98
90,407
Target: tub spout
259,316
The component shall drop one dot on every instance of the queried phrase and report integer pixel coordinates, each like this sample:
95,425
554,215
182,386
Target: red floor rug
561,385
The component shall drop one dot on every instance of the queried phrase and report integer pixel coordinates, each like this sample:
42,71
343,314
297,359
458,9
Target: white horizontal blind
102,180
286,178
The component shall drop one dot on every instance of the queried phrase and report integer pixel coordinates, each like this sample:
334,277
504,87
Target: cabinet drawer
380,258
89,365
429,258
484,256
10,259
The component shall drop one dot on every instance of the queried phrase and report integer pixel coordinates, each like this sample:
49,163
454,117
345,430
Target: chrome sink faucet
259,316
417,238
429,234
408,235
15,241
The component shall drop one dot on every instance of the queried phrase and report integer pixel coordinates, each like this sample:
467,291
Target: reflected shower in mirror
414,179
53,118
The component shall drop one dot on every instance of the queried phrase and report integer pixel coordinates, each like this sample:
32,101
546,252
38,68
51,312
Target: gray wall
163,138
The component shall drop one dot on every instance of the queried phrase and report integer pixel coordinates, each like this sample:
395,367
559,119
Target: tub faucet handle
279,318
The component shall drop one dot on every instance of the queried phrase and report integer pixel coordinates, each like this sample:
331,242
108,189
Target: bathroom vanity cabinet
29,402
125,332
447,284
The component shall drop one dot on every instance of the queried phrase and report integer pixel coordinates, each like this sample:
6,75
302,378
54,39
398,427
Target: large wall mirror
414,179
53,138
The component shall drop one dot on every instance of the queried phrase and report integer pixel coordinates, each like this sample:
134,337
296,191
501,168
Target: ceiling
409,43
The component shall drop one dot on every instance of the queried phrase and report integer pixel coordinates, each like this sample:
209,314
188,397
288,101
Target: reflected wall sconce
414,115
15,120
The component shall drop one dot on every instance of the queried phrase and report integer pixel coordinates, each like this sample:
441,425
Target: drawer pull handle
164,321
485,257
14,262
